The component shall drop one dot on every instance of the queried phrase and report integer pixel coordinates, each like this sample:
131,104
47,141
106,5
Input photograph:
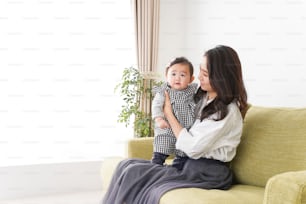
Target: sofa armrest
107,170
289,187
137,148
140,148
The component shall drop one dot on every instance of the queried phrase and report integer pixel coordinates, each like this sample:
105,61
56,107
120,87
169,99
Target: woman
210,143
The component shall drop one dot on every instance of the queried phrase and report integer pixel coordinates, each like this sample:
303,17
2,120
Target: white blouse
213,139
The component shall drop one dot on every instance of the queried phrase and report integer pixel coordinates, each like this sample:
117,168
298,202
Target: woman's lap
140,181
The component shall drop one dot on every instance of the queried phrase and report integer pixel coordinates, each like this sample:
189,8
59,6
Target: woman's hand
174,124
161,123
167,105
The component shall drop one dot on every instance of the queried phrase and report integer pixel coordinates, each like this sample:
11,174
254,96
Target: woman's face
204,78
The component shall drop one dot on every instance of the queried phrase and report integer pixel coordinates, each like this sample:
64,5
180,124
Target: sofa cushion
273,141
238,194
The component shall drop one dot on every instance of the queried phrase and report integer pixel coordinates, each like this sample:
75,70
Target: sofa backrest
273,141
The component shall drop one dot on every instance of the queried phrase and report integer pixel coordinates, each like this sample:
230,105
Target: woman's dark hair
181,60
225,76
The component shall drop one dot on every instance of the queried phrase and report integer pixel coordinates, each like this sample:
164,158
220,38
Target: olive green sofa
270,165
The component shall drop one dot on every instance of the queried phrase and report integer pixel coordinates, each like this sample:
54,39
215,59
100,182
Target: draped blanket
137,181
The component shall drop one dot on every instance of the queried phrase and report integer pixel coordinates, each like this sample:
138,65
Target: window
60,61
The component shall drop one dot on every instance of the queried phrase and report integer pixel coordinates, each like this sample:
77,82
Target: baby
181,91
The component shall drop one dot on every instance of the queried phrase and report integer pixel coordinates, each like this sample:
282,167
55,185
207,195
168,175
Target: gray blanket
137,181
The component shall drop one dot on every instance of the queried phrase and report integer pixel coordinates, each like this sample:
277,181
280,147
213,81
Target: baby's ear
191,79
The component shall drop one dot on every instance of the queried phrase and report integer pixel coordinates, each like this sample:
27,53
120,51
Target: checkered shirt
183,106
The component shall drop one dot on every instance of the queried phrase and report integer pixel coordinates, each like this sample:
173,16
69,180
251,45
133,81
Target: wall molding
48,179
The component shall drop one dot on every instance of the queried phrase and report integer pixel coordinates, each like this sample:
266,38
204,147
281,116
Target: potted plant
135,88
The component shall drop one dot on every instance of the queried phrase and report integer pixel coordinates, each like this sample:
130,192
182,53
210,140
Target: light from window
60,61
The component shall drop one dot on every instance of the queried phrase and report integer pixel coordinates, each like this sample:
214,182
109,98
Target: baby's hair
181,60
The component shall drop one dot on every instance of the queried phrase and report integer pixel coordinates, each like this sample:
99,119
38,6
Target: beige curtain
146,20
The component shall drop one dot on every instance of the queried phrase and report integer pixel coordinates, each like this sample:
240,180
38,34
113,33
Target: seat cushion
238,194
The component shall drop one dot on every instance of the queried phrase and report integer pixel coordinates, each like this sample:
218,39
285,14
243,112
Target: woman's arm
208,138
213,139
173,122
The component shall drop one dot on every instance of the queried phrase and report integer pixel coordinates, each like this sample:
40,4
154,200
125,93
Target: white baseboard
46,179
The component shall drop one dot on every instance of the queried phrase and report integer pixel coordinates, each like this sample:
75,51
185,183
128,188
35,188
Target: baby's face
178,76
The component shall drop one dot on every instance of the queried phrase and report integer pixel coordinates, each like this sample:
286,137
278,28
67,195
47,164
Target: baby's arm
157,110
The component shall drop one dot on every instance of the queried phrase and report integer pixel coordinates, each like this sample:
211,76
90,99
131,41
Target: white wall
172,36
269,36
60,62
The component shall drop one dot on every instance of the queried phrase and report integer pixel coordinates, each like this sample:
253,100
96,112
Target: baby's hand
161,123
